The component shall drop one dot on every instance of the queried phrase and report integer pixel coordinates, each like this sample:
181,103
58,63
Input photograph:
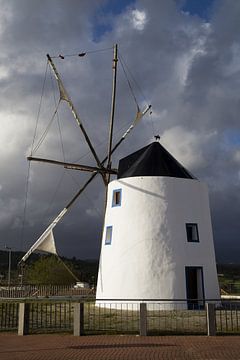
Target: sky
183,57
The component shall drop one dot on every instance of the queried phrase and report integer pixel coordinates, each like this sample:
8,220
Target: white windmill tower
157,240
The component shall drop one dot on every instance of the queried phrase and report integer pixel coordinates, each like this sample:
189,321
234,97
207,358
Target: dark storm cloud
189,69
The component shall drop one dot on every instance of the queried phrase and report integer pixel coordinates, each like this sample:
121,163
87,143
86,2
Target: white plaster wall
149,249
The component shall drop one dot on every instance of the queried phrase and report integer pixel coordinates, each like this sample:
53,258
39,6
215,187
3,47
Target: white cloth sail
48,244
46,241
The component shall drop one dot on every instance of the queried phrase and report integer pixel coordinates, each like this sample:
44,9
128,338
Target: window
192,233
117,197
108,236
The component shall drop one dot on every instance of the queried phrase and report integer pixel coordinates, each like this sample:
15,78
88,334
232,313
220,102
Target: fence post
143,319
23,319
78,319
211,319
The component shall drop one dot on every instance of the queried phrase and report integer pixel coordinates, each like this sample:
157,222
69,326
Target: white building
157,240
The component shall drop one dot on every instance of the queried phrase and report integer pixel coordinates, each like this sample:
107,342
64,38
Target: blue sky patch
102,22
232,138
201,8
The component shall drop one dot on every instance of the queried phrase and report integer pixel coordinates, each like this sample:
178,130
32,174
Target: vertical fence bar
78,322
211,319
237,318
143,319
23,319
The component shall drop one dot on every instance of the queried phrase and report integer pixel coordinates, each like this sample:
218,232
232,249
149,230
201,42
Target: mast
114,82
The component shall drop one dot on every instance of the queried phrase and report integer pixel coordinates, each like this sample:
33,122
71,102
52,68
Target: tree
48,270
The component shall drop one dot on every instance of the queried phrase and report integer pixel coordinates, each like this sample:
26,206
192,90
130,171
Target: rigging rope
58,122
24,209
135,100
47,129
103,142
81,54
63,153
129,84
124,67
22,232
67,268
133,79
34,149
39,108
51,202
87,197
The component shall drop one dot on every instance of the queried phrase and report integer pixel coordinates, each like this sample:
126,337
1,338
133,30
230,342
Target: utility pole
9,264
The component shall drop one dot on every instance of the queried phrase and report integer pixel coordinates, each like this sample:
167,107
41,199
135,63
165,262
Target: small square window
117,197
108,236
192,233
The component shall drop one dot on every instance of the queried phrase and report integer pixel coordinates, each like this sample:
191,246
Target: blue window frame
192,232
117,197
108,236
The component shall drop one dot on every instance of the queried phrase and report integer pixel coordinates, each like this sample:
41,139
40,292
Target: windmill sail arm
63,93
73,166
64,96
138,117
44,235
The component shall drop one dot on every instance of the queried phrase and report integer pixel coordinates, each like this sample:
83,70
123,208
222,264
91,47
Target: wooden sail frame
104,171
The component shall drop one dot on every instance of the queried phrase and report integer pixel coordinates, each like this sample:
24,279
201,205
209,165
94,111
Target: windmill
157,240
103,167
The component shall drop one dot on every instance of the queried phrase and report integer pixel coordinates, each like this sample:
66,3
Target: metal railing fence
109,317
163,319
41,291
8,316
50,317
228,317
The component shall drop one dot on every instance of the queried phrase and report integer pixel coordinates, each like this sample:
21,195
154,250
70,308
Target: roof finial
157,137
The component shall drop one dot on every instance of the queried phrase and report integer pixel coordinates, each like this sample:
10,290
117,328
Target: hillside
85,270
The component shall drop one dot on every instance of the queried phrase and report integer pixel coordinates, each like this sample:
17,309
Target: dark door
194,287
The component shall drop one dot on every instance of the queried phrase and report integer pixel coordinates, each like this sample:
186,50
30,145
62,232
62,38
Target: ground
68,347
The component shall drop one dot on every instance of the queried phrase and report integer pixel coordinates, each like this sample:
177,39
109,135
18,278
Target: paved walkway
58,347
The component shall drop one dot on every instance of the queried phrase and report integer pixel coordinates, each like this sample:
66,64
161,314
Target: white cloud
236,156
139,19
187,146
197,48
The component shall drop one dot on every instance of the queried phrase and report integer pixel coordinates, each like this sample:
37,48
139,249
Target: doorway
194,287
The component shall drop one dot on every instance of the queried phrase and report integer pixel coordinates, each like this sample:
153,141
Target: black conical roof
152,160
